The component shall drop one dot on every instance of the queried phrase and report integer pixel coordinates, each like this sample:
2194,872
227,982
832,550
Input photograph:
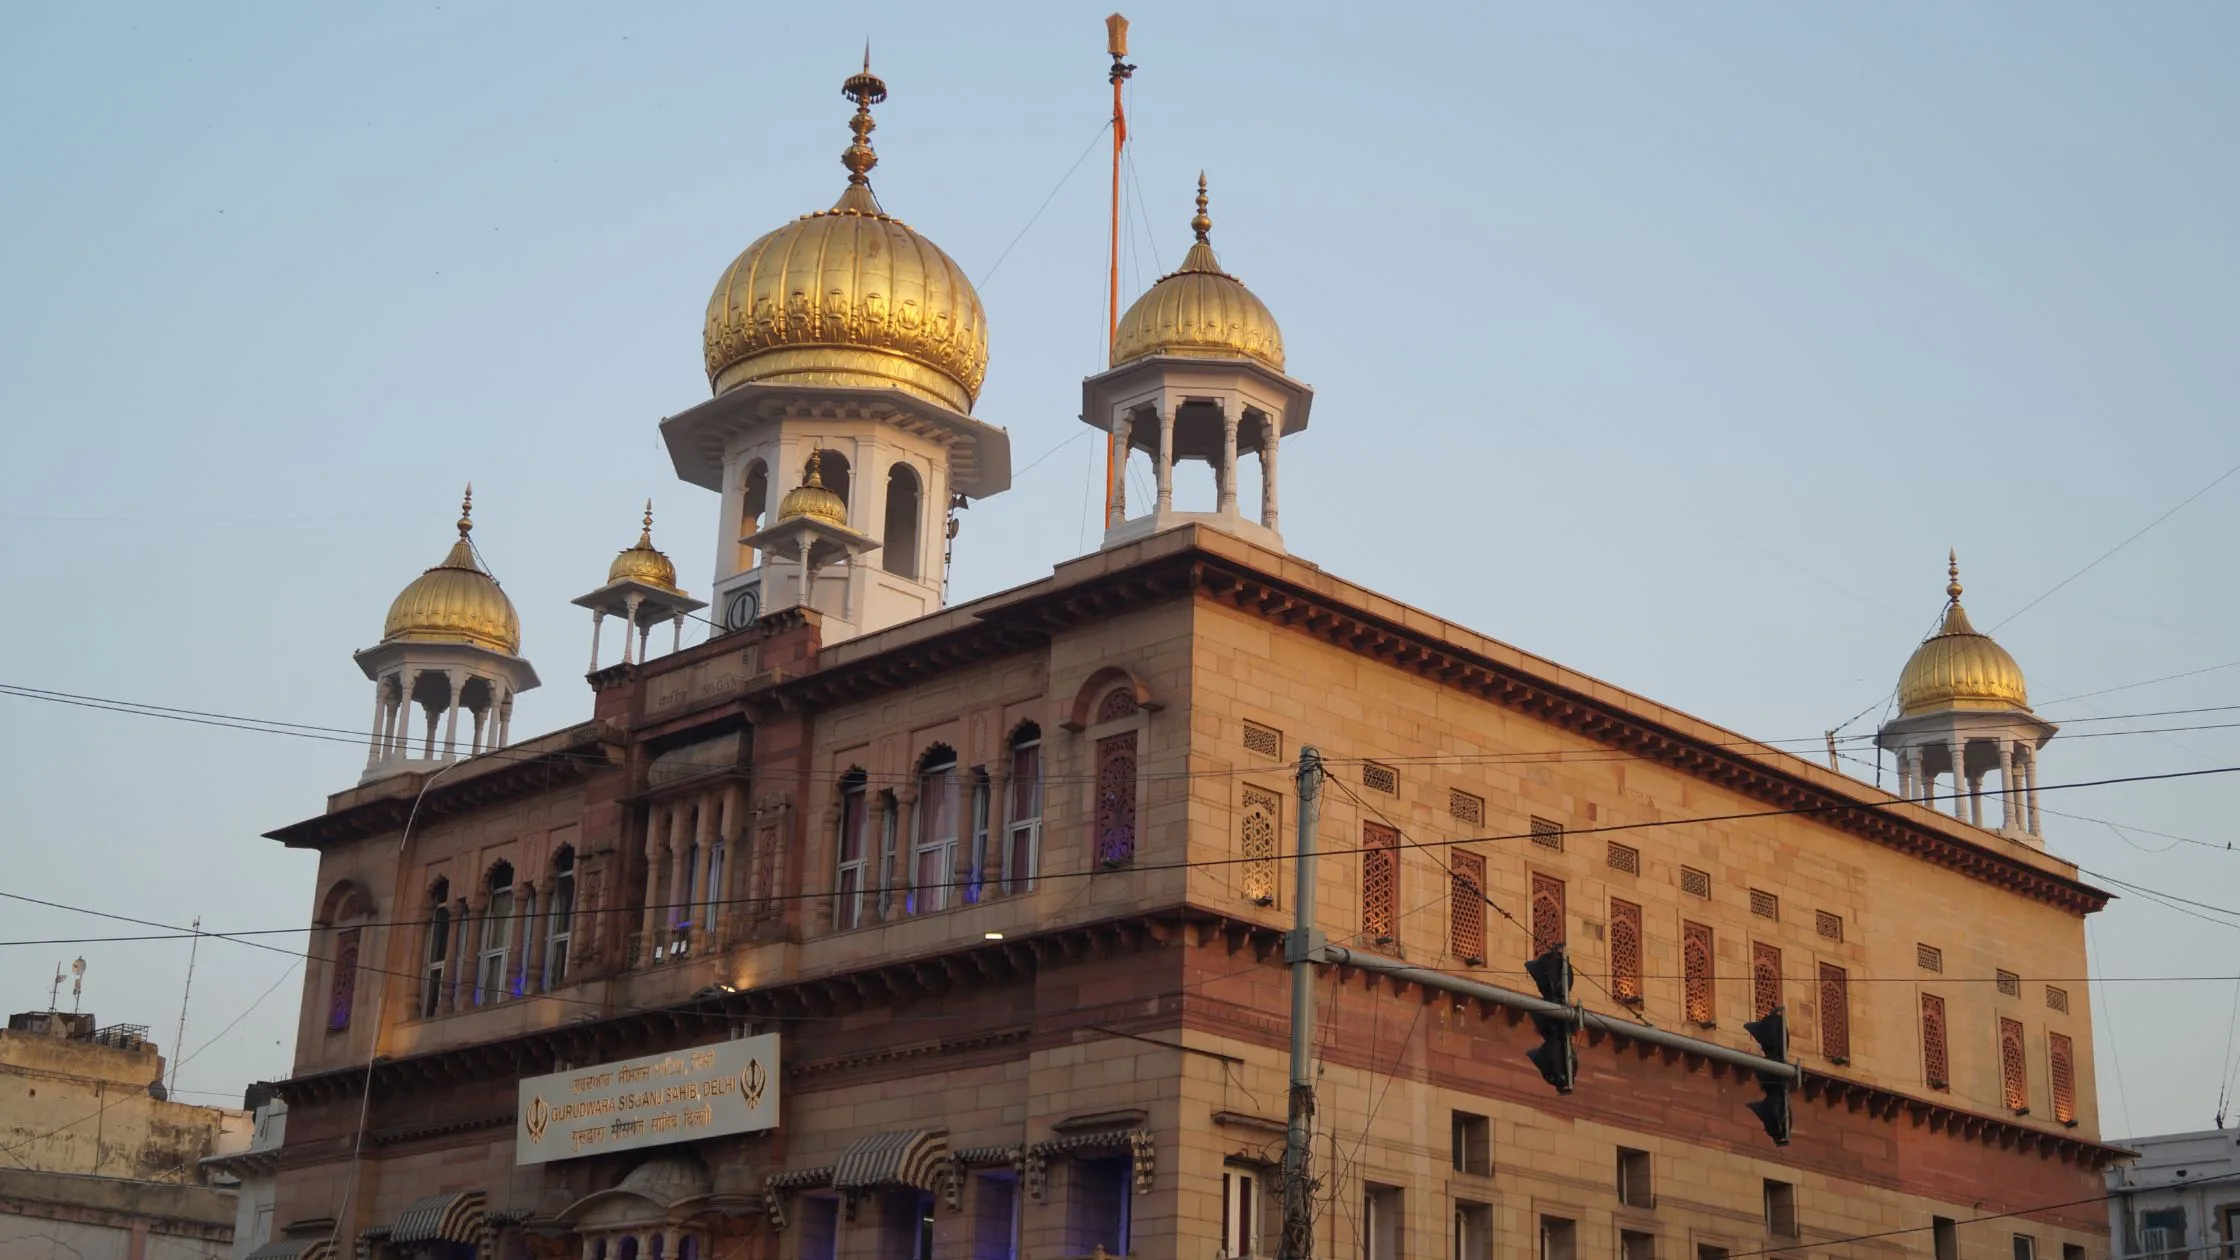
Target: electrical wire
2134,537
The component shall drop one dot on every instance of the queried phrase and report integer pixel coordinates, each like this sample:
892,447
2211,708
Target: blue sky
1676,344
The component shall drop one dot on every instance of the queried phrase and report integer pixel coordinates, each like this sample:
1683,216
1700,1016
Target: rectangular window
2010,985
1781,1209
995,1216
1466,907
1473,1230
1116,800
1828,925
2075,1251
1765,978
1380,883
1466,808
1695,883
2014,1067
1381,1223
1624,858
933,851
1625,952
1097,1208
820,1228
1548,930
1240,1214
560,921
976,861
1022,846
438,945
1473,1144
1257,844
1547,834
1706,1251
1945,1233
1928,957
853,846
497,941
345,990
1266,741
1764,904
2057,999
1559,1238
2061,1059
1634,1244
2025,1247
1633,1179
1936,1059
1378,777
1696,961
1835,1013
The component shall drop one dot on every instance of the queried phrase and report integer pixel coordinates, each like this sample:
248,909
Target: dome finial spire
866,90
1201,223
1952,572
645,534
466,511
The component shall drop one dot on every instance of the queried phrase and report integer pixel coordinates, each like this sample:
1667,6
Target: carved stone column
1123,431
1270,442
1229,420
1166,456
1959,750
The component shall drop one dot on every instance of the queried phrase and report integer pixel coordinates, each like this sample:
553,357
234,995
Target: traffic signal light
1556,1056
1772,1036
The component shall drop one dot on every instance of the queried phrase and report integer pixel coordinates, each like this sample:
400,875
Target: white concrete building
2179,1199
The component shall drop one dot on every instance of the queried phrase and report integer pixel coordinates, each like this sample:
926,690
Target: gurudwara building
878,925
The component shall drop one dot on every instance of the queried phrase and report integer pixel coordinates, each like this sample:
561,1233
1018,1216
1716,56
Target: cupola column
2030,777
380,721
458,684
1269,445
1959,752
1229,418
2005,788
598,620
1166,455
1123,431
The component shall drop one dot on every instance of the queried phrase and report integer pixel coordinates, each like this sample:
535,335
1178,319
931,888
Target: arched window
497,937
560,919
1022,840
754,500
438,945
898,547
976,861
933,851
832,470
1116,780
852,846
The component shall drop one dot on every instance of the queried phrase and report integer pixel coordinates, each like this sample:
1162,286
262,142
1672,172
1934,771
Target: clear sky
1675,343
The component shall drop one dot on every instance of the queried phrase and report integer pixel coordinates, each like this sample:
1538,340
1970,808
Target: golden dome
850,297
455,602
644,562
1960,667
1199,311
810,498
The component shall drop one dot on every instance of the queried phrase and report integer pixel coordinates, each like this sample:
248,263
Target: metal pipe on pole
1302,948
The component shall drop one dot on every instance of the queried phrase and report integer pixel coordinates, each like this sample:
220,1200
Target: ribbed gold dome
455,602
812,499
1960,667
849,296
644,562
1199,310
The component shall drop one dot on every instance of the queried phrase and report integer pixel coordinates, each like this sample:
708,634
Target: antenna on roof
77,982
179,1044
54,995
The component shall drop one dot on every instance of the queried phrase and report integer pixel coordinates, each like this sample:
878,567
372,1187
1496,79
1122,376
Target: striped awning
904,1157
294,1249
455,1217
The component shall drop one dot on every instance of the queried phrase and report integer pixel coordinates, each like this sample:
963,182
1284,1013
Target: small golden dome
849,297
644,562
455,602
1960,667
1199,310
810,498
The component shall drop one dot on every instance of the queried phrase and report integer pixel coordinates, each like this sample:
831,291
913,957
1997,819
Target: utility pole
178,1046
1302,948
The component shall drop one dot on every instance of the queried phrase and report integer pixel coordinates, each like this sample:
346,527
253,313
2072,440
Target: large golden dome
849,296
1960,667
455,602
644,562
1200,310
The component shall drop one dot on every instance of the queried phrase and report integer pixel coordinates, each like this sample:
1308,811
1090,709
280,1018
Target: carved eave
572,755
904,665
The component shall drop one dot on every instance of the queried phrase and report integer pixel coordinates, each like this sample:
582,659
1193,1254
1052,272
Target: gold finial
866,90
1952,571
645,535
466,512
814,476
1116,36
1200,222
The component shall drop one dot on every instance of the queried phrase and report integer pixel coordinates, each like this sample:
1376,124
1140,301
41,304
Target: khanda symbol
753,1078
538,1119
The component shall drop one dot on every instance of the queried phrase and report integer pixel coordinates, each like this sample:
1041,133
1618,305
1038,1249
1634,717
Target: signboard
707,1091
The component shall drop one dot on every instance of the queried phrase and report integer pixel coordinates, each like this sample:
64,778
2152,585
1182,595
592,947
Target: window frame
1022,830
436,949
496,921
560,919
938,772
854,822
